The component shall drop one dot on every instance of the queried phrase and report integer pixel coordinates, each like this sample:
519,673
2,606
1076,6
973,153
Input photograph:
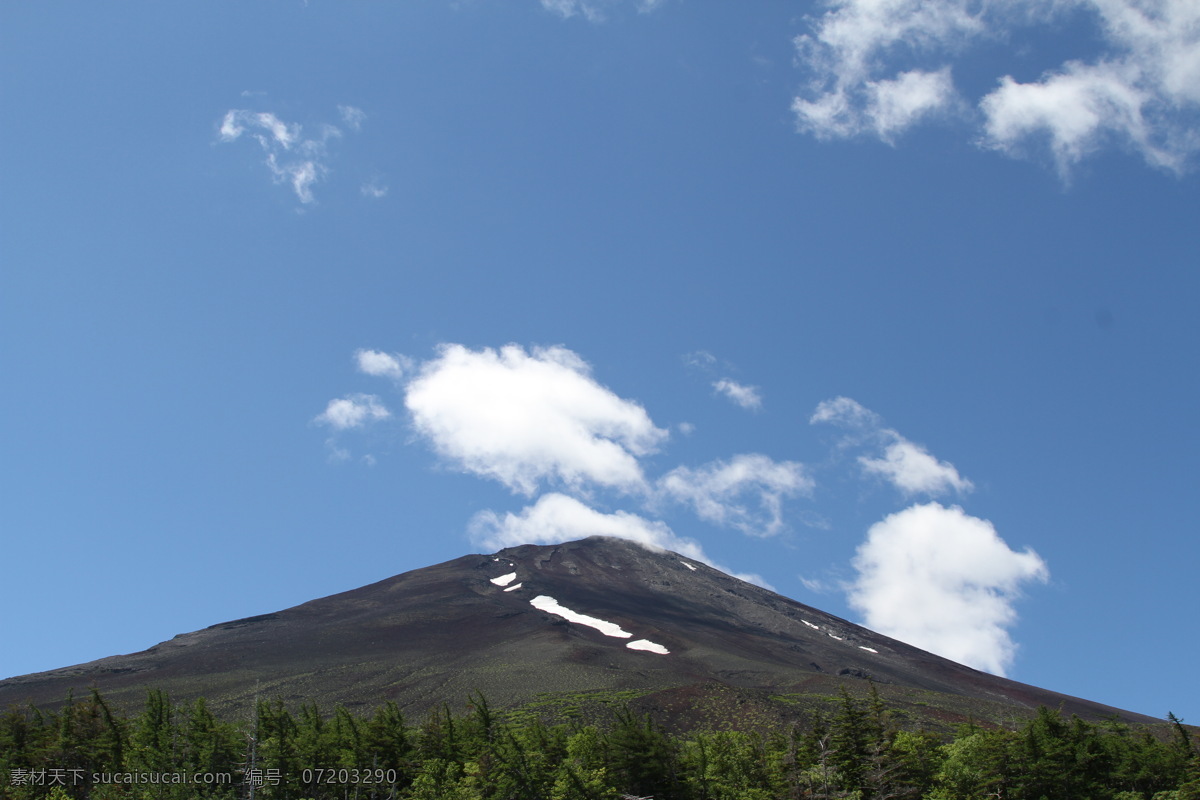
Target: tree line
86,751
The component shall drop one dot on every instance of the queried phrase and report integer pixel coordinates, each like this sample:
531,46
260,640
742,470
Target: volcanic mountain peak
590,615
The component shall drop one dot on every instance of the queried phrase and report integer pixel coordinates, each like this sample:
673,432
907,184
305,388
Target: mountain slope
500,623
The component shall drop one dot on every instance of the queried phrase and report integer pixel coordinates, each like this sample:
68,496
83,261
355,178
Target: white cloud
292,158
845,412
537,419
557,518
747,397
594,10
374,189
911,469
700,359
300,174
524,418
745,493
904,464
944,581
353,117
337,453
846,96
893,106
385,365
274,130
1074,110
352,411
815,585
877,67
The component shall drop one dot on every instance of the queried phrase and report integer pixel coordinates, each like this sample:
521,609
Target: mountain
686,640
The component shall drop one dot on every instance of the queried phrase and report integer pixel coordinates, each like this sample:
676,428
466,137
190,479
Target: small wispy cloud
815,585
911,469
700,359
385,365
748,397
879,69
293,158
374,189
845,412
904,464
353,117
596,10
745,493
352,411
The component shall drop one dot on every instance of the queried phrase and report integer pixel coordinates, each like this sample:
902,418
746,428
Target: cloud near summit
529,418
557,518
537,420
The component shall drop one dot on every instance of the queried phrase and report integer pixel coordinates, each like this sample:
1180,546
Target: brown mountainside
437,634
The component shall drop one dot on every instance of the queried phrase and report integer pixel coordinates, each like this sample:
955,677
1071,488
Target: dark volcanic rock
437,634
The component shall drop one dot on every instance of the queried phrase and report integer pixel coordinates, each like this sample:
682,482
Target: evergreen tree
274,752
152,738
582,773
208,745
728,765
641,756
386,745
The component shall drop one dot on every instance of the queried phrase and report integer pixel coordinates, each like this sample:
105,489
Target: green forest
85,750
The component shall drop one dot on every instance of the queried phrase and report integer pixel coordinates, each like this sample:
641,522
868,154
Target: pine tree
641,756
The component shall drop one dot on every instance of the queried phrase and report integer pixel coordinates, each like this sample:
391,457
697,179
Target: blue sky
896,314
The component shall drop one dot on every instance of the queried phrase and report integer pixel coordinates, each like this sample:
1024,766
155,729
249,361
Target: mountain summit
531,621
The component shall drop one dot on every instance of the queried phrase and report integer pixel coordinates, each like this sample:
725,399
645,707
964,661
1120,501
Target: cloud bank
944,581
879,68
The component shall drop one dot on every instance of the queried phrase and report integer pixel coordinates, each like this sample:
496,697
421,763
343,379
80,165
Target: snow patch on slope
548,604
649,646
505,580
